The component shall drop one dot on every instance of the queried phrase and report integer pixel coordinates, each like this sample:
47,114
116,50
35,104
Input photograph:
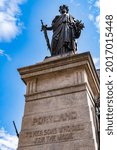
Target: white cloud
2,53
96,61
97,22
10,25
94,7
7,141
94,3
1,3
91,17
90,2
97,4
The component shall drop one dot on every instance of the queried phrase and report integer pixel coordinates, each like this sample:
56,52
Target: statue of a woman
65,30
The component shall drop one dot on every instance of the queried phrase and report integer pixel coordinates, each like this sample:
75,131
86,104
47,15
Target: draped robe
63,39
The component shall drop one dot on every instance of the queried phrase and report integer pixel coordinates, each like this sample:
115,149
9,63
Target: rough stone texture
60,104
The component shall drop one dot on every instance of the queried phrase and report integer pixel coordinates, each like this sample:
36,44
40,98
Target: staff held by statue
45,35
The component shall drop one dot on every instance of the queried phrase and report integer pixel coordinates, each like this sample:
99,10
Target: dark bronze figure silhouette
65,32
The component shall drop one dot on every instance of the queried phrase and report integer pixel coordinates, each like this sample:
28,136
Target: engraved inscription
54,138
64,133
54,118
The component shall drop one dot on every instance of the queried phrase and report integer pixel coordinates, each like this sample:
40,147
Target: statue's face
63,10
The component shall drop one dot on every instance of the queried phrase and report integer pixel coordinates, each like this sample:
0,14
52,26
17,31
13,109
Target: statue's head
63,9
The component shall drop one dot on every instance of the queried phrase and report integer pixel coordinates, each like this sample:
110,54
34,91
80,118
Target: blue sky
22,43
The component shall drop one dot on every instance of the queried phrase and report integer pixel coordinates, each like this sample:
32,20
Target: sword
46,35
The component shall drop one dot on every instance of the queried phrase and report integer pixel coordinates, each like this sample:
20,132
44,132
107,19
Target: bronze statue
65,32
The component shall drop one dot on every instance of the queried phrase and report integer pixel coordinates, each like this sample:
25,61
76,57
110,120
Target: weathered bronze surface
65,32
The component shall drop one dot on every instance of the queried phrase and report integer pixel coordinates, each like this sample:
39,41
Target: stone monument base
60,104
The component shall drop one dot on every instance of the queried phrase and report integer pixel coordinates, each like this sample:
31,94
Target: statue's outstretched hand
43,27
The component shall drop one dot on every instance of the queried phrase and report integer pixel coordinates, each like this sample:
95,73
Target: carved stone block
59,105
